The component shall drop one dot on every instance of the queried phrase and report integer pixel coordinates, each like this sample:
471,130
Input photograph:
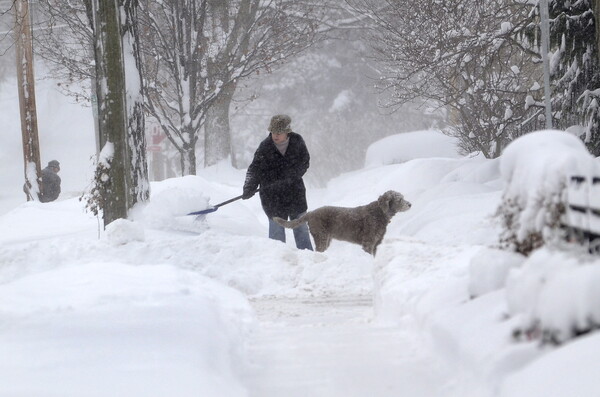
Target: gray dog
364,225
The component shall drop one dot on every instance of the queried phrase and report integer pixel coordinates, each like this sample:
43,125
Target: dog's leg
375,250
327,241
369,249
321,242
376,245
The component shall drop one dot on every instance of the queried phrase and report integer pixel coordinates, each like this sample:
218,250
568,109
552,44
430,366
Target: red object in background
157,136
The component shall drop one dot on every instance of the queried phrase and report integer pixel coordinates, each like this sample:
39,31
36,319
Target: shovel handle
227,202
232,200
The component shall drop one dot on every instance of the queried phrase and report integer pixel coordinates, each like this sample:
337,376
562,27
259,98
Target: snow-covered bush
555,296
489,269
535,169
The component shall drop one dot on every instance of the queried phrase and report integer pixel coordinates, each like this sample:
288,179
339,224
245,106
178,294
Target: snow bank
34,220
101,329
569,371
217,246
489,269
171,201
474,300
446,194
123,231
176,197
477,335
400,148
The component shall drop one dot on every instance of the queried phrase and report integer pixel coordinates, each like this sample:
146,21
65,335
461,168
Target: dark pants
277,232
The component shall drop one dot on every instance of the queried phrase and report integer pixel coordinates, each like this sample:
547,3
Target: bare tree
466,57
195,54
64,39
7,39
262,36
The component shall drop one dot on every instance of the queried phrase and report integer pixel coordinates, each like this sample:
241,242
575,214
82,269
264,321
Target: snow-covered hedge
555,296
535,169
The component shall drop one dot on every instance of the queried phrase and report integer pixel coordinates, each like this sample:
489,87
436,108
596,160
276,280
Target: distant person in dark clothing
50,182
50,188
277,168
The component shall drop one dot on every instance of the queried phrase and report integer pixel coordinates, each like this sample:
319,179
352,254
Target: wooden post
26,88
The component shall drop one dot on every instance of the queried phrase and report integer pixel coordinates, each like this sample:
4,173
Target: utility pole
545,27
26,87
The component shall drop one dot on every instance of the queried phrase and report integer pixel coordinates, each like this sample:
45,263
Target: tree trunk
122,173
137,175
111,103
217,132
596,7
188,160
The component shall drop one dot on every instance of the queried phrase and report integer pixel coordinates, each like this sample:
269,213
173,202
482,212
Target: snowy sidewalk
330,347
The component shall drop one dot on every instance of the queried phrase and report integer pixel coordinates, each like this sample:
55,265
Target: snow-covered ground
164,304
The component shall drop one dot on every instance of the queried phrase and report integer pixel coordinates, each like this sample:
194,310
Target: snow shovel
216,207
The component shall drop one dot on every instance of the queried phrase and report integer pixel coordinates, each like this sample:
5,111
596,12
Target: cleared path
330,347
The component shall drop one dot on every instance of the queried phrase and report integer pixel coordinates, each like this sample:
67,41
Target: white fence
582,213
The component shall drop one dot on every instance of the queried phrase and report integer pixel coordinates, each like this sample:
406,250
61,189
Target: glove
247,194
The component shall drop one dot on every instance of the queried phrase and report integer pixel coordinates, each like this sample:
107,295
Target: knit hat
54,164
280,124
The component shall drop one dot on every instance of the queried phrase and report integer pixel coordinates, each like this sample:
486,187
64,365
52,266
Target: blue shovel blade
203,212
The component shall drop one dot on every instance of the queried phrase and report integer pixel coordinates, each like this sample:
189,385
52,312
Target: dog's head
392,202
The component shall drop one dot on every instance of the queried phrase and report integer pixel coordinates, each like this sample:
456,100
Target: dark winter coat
50,185
282,191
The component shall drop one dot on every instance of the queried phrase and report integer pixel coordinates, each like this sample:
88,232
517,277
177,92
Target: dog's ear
385,202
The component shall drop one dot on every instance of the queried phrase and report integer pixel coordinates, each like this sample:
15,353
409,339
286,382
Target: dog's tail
293,223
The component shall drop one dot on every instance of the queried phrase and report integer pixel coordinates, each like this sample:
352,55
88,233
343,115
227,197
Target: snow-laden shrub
555,296
489,268
94,195
535,169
